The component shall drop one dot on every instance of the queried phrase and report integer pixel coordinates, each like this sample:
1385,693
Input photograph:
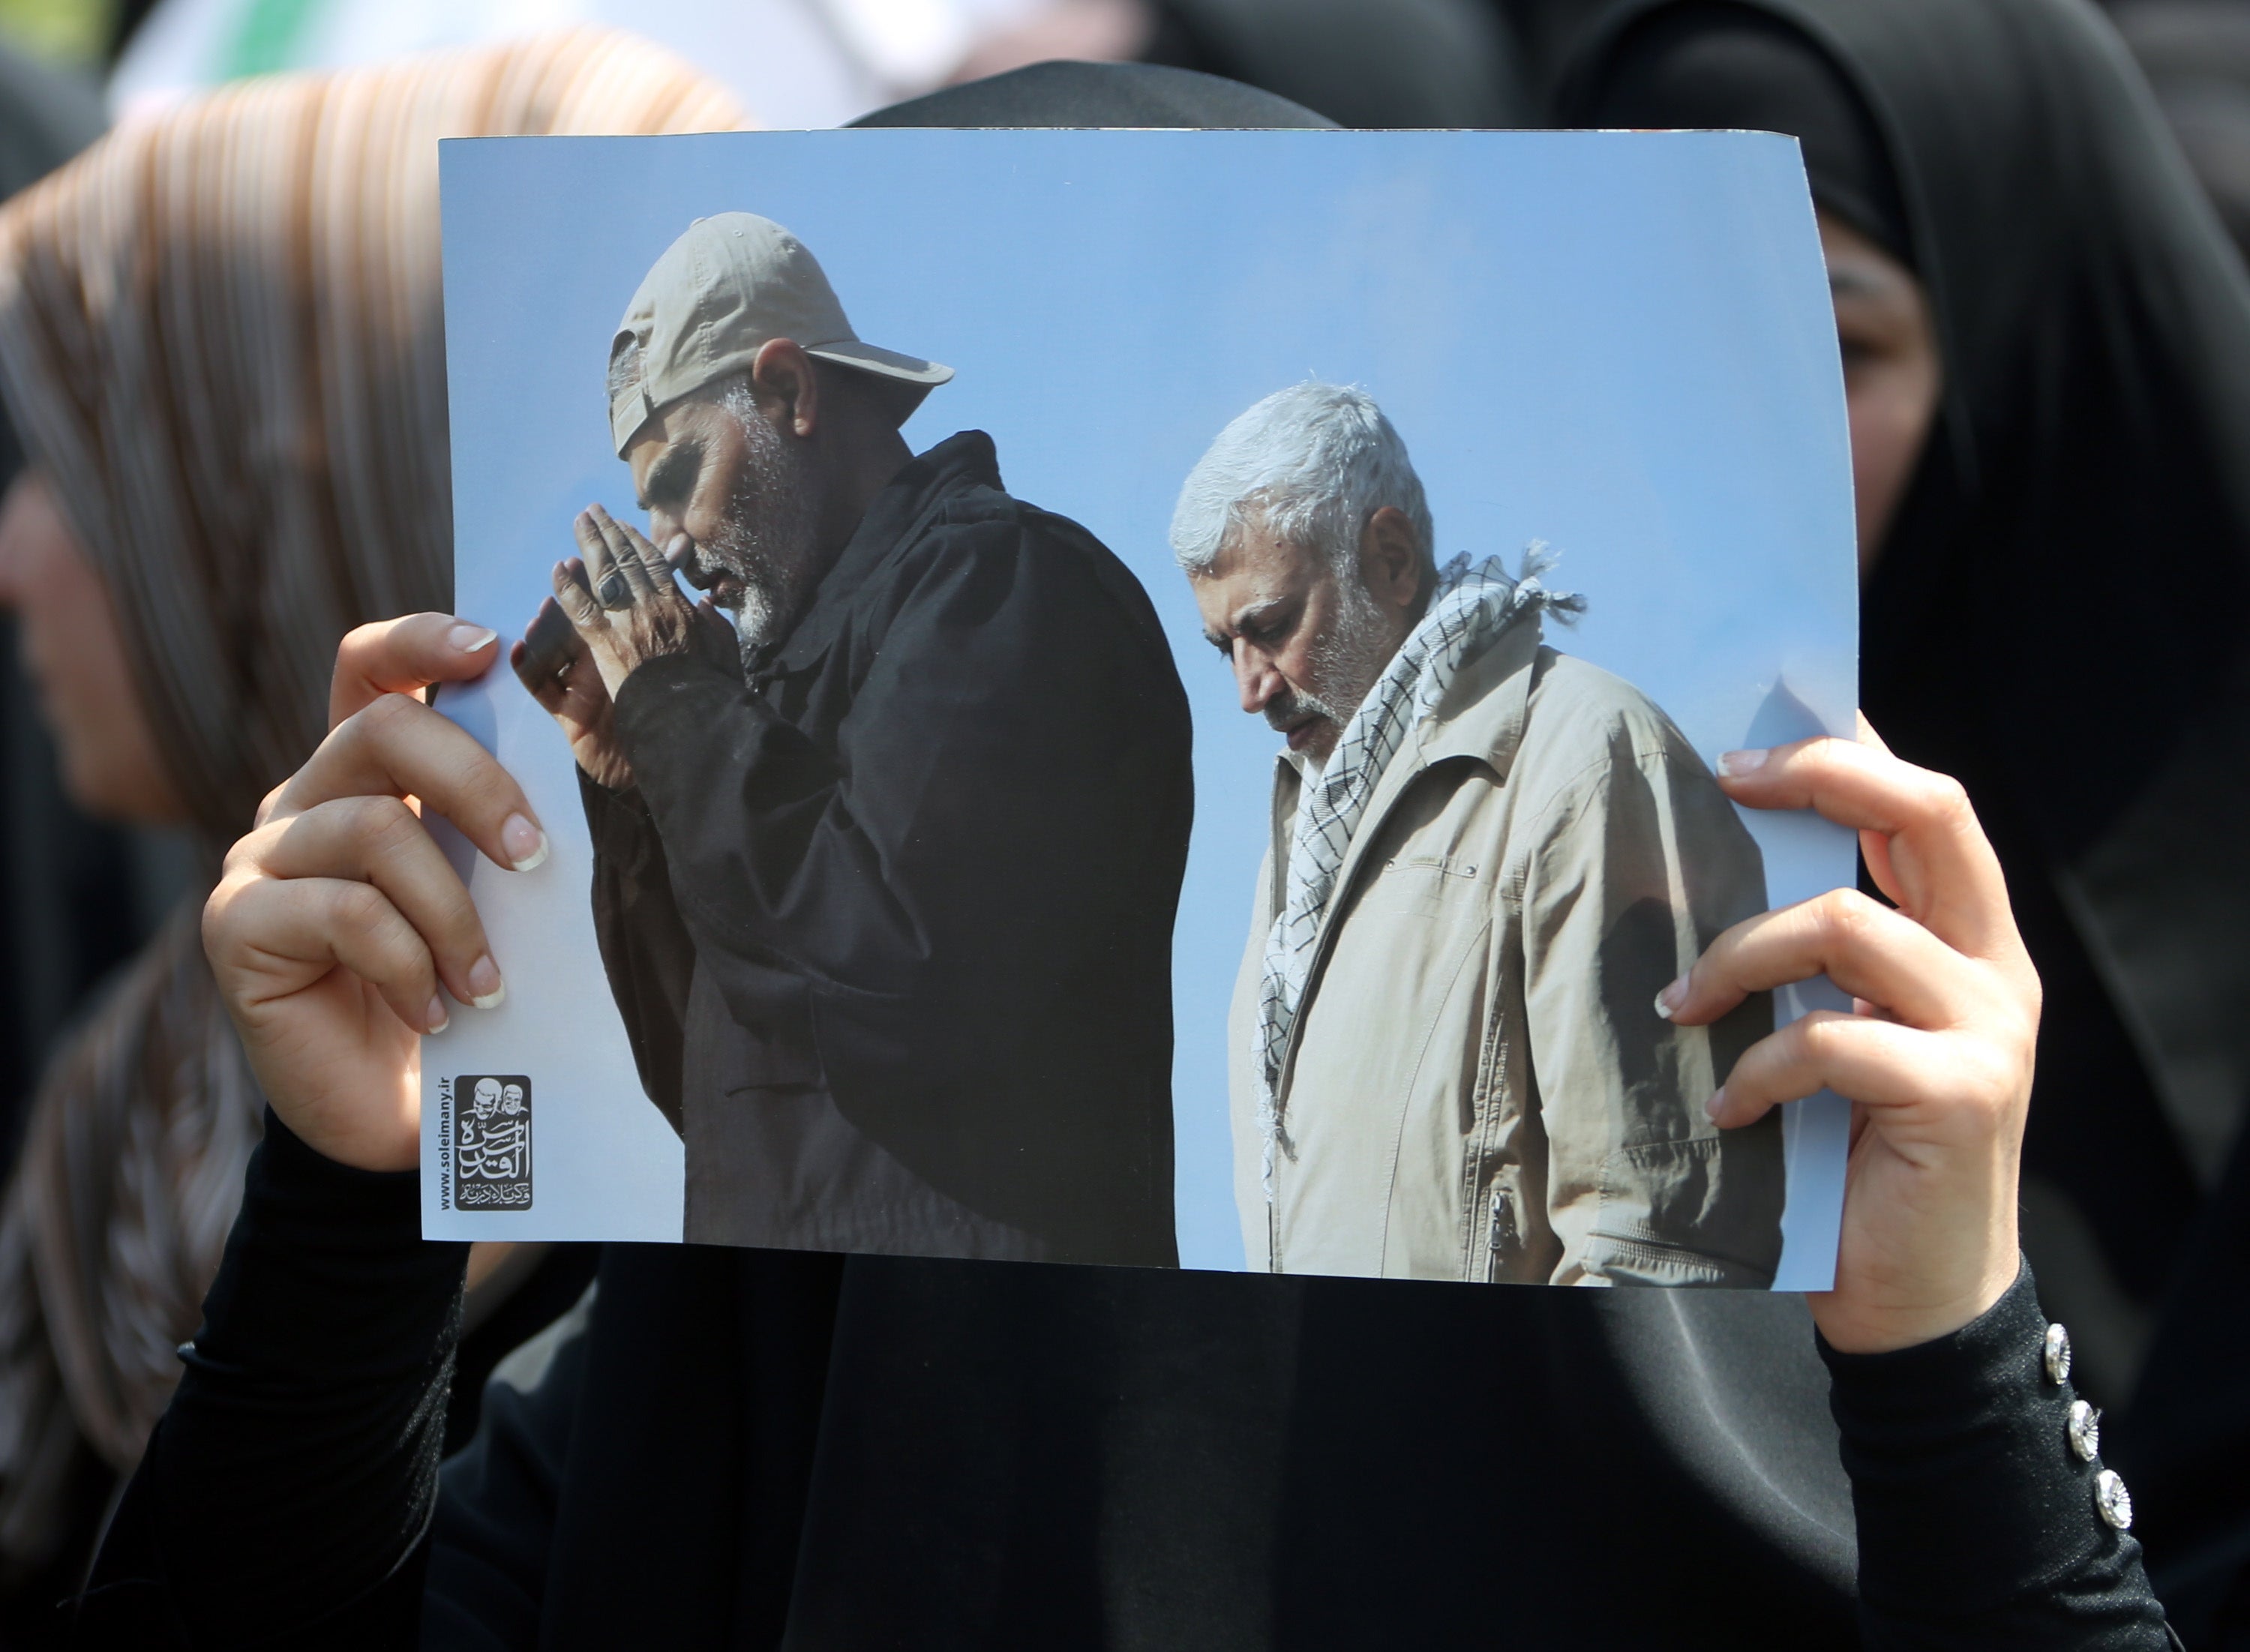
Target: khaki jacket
1478,1085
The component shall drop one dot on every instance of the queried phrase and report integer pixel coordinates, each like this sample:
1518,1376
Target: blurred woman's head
1892,373
221,342
220,337
71,644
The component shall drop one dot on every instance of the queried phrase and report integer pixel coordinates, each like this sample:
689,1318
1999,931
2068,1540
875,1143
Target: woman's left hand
1935,1057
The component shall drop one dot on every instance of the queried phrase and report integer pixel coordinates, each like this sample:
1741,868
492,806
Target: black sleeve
968,900
495,1520
645,949
286,1494
1978,1521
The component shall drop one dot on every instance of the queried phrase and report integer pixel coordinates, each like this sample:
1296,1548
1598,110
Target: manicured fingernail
1745,762
471,639
1669,1001
436,1019
485,987
1717,1105
523,843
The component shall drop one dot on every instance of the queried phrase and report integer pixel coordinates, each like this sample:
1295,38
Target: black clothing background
1360,63
2057,618
744,1449
905,1452
891,923
2197,56
1094,94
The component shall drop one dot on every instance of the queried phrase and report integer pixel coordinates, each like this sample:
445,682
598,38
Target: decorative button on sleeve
1976,1484
2085,1430
2112,1499
2058,1355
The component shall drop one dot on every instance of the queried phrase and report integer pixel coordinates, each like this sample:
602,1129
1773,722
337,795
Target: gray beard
1344,663
767,541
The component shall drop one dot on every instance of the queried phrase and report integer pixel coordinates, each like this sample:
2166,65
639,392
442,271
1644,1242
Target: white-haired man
1488,861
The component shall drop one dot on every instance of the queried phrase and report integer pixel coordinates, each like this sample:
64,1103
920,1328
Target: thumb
544,685
405,656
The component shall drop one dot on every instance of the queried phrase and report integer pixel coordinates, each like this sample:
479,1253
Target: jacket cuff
670,712
1969,1489
609,810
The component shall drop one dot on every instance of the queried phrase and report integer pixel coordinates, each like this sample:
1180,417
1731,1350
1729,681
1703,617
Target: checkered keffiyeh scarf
1471,607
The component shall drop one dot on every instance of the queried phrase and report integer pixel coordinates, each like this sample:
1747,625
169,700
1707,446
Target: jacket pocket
1688,1212
1419,885
775,1050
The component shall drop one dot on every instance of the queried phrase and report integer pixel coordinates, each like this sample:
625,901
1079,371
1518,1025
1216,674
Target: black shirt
763,1448
890,922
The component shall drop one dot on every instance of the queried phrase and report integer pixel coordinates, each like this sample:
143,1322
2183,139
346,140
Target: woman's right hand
338,920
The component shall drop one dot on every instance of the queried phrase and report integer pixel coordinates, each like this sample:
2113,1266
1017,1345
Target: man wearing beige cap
885,881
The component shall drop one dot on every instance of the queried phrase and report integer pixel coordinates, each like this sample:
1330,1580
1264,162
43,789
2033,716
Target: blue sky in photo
1618,343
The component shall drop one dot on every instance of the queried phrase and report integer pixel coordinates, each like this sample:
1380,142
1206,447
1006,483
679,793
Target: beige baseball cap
718,294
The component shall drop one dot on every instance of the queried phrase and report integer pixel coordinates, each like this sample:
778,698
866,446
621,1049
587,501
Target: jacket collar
1483,711
1482,719
896,517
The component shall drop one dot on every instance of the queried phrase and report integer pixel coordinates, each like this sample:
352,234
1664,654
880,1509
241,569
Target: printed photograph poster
1143,698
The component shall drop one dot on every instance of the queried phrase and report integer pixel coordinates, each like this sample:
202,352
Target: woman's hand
1935,1057
338,919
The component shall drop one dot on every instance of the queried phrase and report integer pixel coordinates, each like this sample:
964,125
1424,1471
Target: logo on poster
492,1142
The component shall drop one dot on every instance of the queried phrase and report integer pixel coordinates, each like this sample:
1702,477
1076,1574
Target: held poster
1143,698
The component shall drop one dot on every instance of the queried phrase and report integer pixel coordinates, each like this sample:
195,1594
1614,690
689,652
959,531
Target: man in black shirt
884,899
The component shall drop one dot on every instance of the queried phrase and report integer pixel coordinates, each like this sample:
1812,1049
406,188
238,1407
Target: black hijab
1723,67
2057,617
1713,1371
1098,94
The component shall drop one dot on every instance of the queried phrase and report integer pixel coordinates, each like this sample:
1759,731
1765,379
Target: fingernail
1669,1001
436,1018
470,639
1745,762
524,844
485,987
1713,1107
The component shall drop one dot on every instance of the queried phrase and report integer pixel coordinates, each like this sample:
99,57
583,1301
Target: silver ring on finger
616,594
